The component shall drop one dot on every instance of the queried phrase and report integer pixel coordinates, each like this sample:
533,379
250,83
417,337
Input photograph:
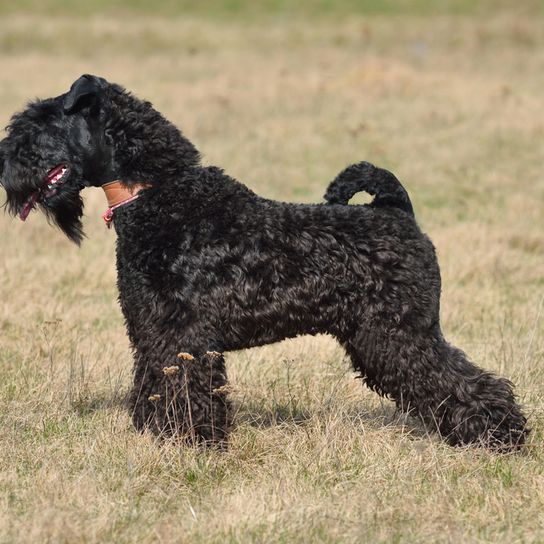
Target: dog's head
55,148
95,133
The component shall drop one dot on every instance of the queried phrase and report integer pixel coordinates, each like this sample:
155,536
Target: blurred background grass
282,95
248,8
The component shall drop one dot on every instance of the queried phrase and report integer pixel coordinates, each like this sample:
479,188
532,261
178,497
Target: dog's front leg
182,394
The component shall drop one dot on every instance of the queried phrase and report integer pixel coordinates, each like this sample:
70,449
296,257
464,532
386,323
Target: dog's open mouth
54,178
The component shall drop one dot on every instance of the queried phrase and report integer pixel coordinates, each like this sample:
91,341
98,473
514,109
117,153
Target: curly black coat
206,266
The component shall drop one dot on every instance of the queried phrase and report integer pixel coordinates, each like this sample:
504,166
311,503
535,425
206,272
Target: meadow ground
450,100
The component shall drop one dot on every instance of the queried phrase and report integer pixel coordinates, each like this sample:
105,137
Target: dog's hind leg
182,393
429,378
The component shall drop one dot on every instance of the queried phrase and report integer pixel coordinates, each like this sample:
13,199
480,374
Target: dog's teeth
57,177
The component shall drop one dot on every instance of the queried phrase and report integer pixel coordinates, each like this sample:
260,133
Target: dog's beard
65,210
64,207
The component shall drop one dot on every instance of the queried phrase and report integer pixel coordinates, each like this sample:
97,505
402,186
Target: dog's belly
270,315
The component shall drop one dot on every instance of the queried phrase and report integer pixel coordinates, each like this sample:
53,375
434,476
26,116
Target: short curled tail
382,184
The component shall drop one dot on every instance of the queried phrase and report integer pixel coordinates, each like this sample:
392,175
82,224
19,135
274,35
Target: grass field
446,94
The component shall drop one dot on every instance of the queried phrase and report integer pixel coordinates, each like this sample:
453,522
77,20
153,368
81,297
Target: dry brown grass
454,106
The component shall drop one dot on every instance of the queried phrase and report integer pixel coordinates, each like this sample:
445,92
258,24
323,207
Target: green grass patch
249,8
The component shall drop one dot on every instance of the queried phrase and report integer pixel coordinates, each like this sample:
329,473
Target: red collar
119,194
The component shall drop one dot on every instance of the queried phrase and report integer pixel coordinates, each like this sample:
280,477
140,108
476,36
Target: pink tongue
28,206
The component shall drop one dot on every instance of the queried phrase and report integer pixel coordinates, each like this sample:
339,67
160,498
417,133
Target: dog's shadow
262,416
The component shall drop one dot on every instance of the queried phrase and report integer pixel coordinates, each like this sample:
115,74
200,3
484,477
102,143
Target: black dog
206,266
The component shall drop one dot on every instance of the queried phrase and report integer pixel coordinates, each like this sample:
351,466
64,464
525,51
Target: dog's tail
382,184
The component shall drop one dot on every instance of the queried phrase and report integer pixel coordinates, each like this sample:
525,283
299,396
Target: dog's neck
117,192
146,146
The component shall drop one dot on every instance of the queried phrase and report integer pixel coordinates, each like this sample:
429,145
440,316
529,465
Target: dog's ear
86,92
